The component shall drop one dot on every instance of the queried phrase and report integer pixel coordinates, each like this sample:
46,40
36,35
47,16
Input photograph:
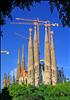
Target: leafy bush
41,92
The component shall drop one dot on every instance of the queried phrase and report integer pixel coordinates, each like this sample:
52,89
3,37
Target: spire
48,29
19,66
13,78
5,80
62,75
30,60
23,61
19,56
8,80
53,60
36,56
47,64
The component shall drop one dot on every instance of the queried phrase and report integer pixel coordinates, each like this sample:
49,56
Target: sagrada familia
39,71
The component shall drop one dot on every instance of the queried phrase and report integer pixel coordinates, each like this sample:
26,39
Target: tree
63,7
41,92
4,95
6,6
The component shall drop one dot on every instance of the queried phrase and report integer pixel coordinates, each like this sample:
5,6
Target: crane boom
31,20
25,23
17,34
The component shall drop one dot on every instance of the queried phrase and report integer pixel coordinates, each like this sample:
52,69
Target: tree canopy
63,7
41,92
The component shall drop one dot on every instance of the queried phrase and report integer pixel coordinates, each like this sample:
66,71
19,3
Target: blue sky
11,42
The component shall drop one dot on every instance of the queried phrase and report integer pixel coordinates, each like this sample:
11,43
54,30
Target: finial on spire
30,30
46,33
51,34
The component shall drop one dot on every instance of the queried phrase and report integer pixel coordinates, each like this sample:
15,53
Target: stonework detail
47,64
53,61
19,67
36,57
30,60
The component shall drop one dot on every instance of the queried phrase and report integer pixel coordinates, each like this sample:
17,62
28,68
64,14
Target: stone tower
18,67
47,62
48,29
5,80
36,56
8,80
30,60
23,60
13,78
53,60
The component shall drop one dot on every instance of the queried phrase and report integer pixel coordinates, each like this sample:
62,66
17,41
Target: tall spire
23,61
13,78
47,63
48,29
19,56
5,80
8,80
53,61
19,66
36,56
30,60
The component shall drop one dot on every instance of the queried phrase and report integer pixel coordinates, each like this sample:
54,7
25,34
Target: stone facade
30,60
18,67
53,61
36,57
47,62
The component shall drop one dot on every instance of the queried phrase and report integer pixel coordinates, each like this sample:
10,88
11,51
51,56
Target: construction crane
36,23
31,21
21,36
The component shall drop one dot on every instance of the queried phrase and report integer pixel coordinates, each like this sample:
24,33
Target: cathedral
39,71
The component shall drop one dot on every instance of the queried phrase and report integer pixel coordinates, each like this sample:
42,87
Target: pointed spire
48,29
53,61
30,30
18,55
8,80
35,32
36,56
47,64
19,67
62,71
5,80
46,33
23,61
51,38
30,60
13,78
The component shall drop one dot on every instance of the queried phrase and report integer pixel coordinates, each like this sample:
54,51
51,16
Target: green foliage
41,92
63,7
6,7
